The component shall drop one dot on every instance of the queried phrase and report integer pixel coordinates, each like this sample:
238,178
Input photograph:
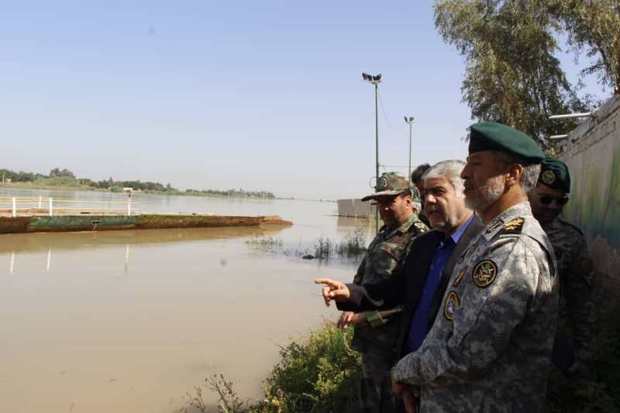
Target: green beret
493,136
554,173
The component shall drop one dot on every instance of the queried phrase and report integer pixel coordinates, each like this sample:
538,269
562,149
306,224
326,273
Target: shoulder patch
452,303
514,226
484,273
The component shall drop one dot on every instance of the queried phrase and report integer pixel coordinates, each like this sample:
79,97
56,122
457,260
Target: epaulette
514,226
420,226
575,227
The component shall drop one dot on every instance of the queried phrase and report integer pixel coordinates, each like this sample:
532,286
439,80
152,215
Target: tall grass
352,246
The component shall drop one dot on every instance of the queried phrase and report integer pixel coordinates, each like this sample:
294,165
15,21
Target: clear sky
226,94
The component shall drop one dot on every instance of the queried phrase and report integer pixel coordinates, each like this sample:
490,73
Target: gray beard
485,196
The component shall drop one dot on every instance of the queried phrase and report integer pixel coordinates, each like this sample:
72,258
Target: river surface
131,321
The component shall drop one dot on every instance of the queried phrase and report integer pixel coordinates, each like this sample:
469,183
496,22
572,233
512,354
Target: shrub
320,374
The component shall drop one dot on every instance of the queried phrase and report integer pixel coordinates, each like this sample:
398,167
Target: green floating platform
69,223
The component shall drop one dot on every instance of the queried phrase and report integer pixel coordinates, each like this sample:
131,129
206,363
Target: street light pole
375,80
409,120
376,84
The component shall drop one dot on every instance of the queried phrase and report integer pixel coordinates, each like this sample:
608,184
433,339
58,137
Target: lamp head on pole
374,79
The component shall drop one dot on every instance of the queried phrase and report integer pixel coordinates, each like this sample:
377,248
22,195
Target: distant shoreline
79,187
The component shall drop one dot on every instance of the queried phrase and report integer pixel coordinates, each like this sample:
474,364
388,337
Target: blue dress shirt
419,323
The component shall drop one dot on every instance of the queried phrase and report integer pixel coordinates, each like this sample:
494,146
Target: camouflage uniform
576,305
489,349
375,339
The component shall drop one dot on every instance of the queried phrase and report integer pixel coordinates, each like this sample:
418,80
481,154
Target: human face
485,180
546,202
394,210
443,206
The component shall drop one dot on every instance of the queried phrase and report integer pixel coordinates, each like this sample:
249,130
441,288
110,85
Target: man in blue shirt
419,284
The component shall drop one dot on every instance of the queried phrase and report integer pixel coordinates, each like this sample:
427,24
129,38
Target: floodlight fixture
374,79
572,116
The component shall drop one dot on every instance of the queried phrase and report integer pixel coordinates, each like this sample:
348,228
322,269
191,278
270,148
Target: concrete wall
354,208
592,152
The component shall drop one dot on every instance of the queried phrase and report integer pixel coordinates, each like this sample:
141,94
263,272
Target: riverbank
67,186
71,223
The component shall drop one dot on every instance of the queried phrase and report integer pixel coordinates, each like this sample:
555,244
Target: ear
514,174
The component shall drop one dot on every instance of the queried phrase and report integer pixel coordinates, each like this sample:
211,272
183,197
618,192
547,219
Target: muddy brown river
131,321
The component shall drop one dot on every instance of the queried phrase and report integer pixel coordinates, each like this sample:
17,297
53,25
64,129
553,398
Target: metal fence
49,206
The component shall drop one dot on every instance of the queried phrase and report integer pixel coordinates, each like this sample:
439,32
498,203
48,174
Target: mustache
430,209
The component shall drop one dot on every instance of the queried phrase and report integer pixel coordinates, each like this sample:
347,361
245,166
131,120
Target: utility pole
375,80
409,121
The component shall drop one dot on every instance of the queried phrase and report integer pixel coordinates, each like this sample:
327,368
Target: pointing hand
333,290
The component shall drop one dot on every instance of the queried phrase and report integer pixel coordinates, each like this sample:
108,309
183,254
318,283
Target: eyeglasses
547,199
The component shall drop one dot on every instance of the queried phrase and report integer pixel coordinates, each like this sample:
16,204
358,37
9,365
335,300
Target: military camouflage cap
493,136
389,184
554,173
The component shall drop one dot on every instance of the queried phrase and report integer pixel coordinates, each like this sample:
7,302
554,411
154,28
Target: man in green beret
489,349
376,332
572,353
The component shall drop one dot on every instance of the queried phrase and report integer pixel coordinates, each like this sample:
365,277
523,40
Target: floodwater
131,321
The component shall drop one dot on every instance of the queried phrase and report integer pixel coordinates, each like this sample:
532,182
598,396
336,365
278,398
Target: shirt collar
403,228
456,235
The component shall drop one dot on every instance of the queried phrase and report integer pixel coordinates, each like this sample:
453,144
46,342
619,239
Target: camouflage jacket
384,255
489,349
575,270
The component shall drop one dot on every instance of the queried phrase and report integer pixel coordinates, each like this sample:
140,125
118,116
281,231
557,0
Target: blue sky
218,94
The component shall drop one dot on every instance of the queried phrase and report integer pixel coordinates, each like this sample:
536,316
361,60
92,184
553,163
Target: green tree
512,74
61,173
593,26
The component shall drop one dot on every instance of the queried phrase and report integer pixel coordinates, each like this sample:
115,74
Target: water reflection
11,243
129,321
12,263
36,242
48,264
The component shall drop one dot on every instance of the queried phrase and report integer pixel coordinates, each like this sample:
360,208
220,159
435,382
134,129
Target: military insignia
514,226
548,177
484,273
381,183
458,279
453,302
420,226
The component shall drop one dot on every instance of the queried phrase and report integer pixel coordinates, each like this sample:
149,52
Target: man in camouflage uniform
376,331
490,346
572,352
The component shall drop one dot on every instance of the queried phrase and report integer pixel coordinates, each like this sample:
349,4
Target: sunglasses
547,199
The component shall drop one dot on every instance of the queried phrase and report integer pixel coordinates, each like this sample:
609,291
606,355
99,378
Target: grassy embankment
319,374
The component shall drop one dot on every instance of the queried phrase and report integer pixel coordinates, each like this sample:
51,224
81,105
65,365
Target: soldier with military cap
490,346
573,348
376,331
